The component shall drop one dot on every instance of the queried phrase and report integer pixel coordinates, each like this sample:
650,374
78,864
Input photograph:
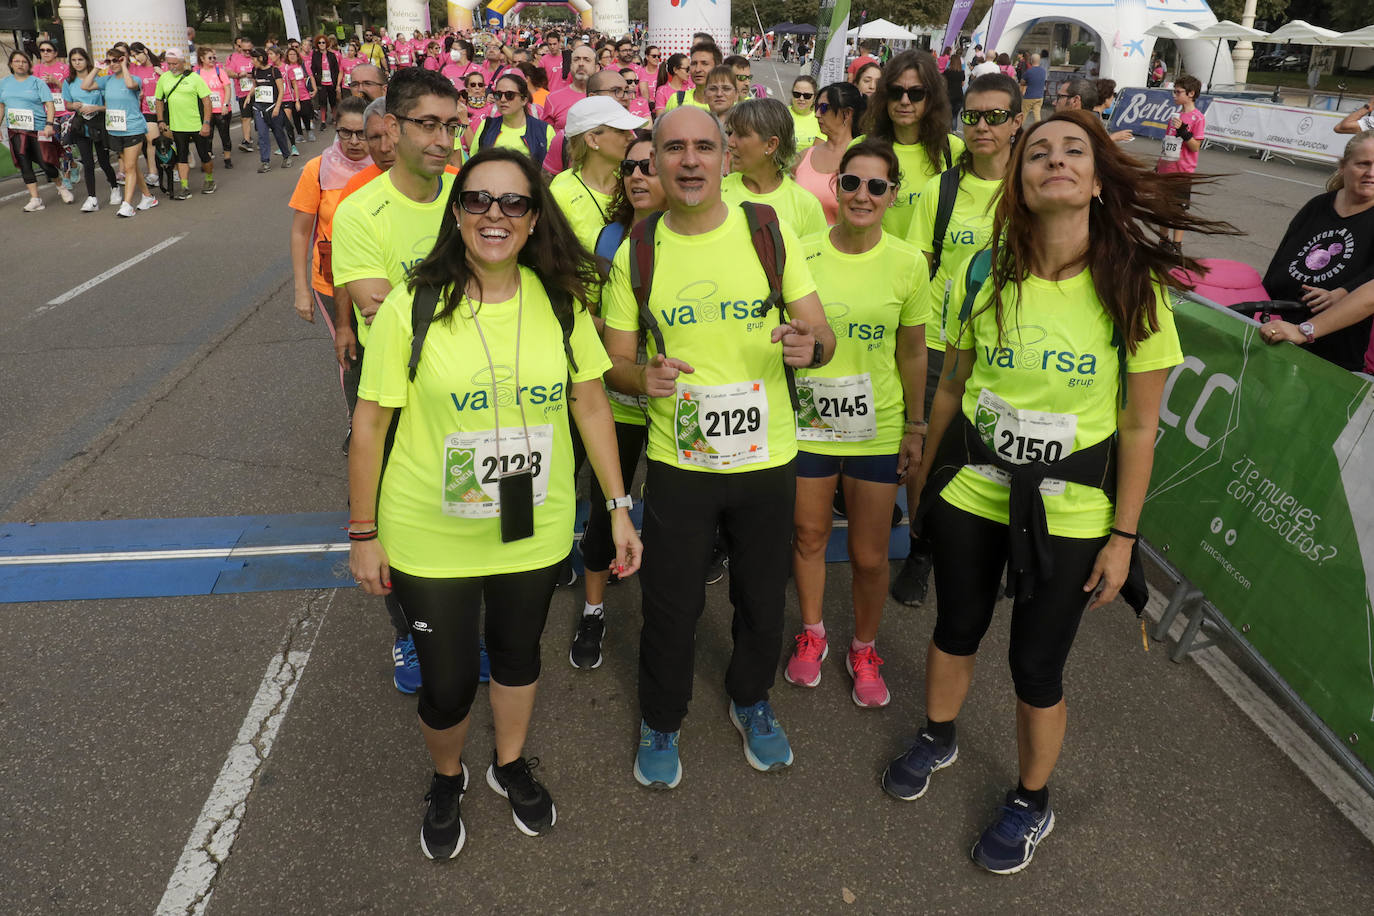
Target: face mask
453,55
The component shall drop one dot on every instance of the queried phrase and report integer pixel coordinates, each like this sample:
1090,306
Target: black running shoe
586,644
531,805
913,581
716,571
442,835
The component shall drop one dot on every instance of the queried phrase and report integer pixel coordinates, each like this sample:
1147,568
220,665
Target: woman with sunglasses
638,103
27,109
125,126
652,60
761,148
89,107
513,127
221,86
838,107
513,286
803,111
146,67
911,111
52,70
1077,268
672,78
325,67
861,424
599,133
268,97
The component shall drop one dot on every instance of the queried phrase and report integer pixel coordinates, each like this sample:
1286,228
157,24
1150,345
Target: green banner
1263,496
828,53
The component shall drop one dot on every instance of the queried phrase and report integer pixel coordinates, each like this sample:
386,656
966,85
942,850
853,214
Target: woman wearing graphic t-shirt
1059,358
478,500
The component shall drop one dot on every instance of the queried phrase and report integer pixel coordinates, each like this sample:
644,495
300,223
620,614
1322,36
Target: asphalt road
186,386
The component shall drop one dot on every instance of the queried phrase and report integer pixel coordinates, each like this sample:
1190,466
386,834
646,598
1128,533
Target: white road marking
192,881
190,553
1332,781
23,193
1281,178
102,277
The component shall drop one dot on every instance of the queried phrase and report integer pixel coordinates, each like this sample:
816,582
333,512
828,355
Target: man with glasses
1075,93
240,67
744,76
368,81
583,65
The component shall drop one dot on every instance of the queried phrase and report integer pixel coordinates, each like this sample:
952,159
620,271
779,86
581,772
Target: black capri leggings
27,155
93,152
970,558
443,616
598,550
325,102
219,123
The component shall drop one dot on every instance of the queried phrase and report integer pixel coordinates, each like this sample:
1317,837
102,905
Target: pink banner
956,22
997,21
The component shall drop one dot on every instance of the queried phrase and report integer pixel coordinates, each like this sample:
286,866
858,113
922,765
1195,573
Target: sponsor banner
997,21
1146,112
956,22
832,26
1261,496
1277,128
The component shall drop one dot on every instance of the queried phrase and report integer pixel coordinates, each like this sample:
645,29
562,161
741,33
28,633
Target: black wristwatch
817,354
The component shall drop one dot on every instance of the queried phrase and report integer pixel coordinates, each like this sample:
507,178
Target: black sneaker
442,835
531,805
181,193
247,146
586,644
913,582
228,163
716,571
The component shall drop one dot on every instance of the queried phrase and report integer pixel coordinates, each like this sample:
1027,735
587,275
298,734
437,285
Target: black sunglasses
628,166
994,116
477,85
802,95
506,95
913,93
479,202
877,187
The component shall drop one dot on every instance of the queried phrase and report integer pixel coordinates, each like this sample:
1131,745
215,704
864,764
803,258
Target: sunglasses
628,166
877,187
477,85
802,95
479,202
994,116
506,95
912,93
632,82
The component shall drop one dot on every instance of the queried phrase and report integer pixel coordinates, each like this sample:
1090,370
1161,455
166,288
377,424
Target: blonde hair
1337,179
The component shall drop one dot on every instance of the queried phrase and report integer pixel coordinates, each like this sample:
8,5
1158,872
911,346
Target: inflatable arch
159,24
609,16
1120,28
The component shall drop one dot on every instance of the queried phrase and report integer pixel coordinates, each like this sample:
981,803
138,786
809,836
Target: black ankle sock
1040,798
943,731
456,779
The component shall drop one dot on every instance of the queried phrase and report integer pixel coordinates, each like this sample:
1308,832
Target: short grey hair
375,109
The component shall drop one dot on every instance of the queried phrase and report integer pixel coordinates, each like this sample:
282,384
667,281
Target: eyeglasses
1063,96
479,202
628,166
912,93
506,95
877,187
632,82
346,134
434,125
618,91
803,95
477,85
994,116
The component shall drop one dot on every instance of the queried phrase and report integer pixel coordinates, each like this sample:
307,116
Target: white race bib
626,400
300,73
721,426
1022,436
264,94
1173,145
19,119
215,100
836,409
116,119
59,104
326,77
245,85
472,468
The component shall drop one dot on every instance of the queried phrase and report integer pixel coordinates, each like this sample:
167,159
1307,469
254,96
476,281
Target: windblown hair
932,128
622,210
1125,254
552,251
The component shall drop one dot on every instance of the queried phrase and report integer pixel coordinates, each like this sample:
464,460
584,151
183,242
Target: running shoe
912,583
483,662
286,162
908,777
310,137
228,163
405,665
126,210
91,205
1008,844
116,196
716,571
147,203
181,192
765,743
66,195
442,834
208,187
294,151
804,667
586,644
247,146
870,691
34,205
657,765
265,167
531,805
151,178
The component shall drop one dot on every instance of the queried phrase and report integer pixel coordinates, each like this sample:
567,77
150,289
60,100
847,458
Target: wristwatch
1308,331
620,502
817,354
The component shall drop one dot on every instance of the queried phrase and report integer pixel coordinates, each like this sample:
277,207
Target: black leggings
325,101
220,123
443,616
27,155
970,559
298,114
598,550
91,154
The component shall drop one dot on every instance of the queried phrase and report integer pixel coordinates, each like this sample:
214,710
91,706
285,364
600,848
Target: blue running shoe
405,665
908,777
657,765
483,662
1008,844
765,743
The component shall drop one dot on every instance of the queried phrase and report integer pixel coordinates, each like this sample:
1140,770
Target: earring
531,230
1098,197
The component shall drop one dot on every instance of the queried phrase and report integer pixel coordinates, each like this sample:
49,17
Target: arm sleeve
921,232
917,305
306,197
1161,350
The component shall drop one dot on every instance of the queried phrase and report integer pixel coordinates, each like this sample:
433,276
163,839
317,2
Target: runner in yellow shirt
599,133
803,111
761,148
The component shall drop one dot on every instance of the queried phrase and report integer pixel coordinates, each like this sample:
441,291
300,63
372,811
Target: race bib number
19,119
116,119
326,77
473,468
626,400
1022,436
264,94
299,72
245,85
722,426
215,100
1173,145
836,409
59,104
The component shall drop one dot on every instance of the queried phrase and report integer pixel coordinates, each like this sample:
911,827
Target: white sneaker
34,205
152,179
116,196
66,195
126,210
147,203
90,206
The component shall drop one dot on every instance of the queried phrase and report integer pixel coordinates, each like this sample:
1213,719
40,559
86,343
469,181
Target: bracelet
917,426
1124,534
362,521
363,535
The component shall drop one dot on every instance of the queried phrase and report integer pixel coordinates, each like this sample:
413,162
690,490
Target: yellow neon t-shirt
711,319
687,99
586,209
970,231
797,208
452,395
379,233
514,138
1056,356
866,297
916,170
806,127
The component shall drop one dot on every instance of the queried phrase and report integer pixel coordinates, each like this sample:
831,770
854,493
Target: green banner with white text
828,53
1263,496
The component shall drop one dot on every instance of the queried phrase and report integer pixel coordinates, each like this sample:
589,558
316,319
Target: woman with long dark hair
478,500
672,77
1055,363
911,111
954,86
89,106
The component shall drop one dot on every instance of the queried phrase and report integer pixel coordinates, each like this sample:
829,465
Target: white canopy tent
883,30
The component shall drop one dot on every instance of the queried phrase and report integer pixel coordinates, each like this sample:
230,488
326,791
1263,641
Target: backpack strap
566,319
421,317
681,94
979,267
642,274
491,129
944,210
766,233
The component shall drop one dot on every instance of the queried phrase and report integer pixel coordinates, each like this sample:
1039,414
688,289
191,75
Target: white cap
600,111
174,53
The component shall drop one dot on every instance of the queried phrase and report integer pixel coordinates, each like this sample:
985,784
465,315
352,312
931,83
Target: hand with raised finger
798,343
660,375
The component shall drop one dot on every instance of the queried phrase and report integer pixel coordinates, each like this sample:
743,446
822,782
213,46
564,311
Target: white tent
882,30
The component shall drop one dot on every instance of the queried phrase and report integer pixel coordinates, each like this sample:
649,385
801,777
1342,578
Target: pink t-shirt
293,82
404,53
665,92
149,77
640,107
239,64
1187,159
558,104
457,73
346,65
221,85
818,183
553,69
53,74
432,63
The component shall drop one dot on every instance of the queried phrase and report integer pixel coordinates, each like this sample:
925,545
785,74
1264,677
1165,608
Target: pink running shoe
804,667
870,691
